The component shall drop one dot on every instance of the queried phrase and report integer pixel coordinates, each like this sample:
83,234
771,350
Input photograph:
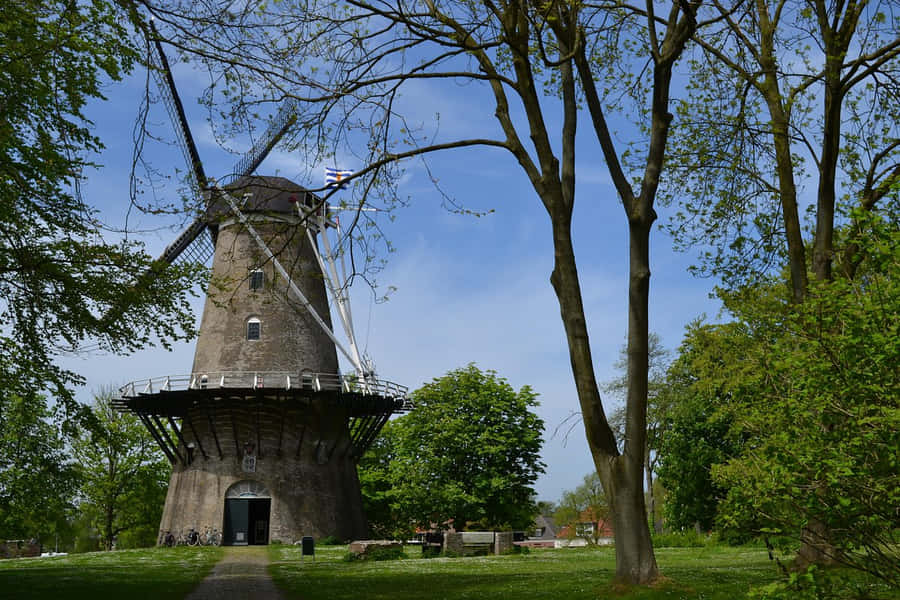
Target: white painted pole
342,305
340,298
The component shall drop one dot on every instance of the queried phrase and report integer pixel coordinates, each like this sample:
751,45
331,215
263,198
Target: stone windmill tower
264,433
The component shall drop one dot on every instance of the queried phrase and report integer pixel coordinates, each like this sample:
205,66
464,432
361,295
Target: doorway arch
248,505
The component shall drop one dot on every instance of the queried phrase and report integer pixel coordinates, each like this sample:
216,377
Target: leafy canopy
124,476
59,276
37,479
788,422
468,453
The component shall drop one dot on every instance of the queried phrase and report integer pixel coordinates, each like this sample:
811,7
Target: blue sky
467,289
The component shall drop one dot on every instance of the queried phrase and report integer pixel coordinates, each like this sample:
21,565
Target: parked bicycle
168,539
193,537
211,537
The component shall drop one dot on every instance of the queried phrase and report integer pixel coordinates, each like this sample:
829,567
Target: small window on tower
253,329
256,279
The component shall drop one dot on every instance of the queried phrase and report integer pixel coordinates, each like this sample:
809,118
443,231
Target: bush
377,553
687,538
818,583
331,540
518,550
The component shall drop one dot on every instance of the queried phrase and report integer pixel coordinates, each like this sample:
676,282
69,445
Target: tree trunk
622,475
784,165
823,241
815,546
635,559
108,534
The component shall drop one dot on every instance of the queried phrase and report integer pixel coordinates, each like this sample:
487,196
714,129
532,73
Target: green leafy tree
59,277
784,96
777,87
124,476
823,416
810,397
467,454
698,428
377,487
38,483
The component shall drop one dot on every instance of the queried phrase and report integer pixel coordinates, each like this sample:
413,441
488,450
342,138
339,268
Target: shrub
377,553
687,538
331,540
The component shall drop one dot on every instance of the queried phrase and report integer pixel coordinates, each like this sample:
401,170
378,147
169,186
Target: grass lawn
572,573
160,573
126,574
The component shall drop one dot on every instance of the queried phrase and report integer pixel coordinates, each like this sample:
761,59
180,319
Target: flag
334,177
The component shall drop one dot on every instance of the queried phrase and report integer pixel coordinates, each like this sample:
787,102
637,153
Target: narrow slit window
256,279
253,328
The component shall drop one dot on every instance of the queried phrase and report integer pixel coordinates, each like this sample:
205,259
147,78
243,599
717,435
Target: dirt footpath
241,574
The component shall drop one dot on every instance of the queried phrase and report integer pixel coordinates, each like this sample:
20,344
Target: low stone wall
503,542
362,548
19,548
475,542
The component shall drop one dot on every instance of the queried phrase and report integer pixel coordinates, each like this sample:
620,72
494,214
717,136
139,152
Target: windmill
264,434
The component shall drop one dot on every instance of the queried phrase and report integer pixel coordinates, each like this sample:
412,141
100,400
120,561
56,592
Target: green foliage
37,480
378,553
377,487
58,275
330,540
517,551
697,430
817,583
769,109
124,477
822,416
468,452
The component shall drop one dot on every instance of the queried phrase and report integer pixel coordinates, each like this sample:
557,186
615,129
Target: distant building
589,529
541,535
544,528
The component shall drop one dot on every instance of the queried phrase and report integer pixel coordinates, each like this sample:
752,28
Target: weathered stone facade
300,458
290,340
292,445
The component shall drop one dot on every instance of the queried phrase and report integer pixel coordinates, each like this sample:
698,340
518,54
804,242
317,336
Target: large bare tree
530,66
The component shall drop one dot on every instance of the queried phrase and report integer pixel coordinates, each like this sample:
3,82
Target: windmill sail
190,245
184,243
281,122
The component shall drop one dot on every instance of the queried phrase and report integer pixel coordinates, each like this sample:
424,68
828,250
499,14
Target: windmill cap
256,193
